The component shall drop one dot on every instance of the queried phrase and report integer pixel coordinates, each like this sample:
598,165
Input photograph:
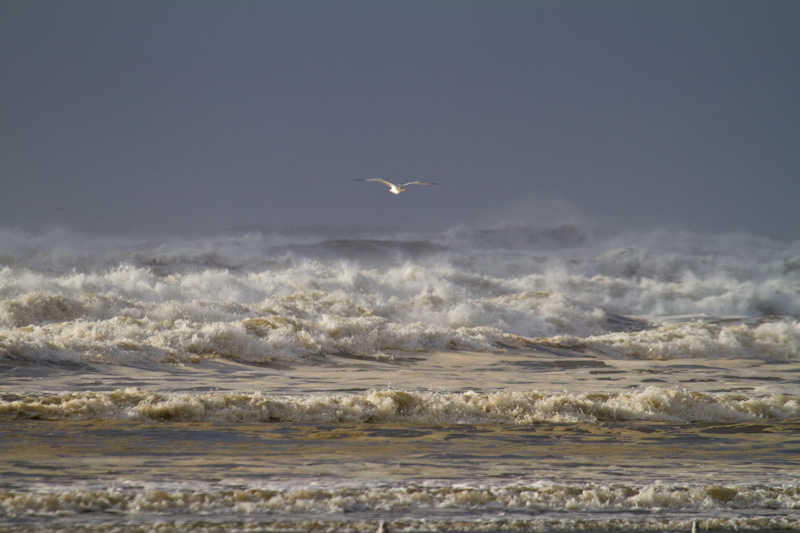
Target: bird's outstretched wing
390,184
419,183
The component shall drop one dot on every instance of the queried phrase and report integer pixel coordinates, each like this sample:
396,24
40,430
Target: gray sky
201,115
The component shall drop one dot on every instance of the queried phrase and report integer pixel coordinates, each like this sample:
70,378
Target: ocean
499,379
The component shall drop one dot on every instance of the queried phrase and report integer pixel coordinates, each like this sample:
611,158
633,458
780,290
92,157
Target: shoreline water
224,446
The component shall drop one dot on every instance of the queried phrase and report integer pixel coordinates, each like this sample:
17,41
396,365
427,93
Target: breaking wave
262,297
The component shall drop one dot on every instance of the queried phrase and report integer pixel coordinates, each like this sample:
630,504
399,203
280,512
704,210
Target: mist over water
476,378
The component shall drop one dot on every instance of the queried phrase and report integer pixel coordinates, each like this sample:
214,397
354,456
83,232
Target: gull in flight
394,188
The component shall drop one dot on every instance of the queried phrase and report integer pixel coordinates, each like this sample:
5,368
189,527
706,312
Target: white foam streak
392,406
532,498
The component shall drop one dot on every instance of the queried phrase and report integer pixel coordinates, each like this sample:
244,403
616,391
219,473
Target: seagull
397,189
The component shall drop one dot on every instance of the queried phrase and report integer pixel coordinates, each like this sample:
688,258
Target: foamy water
392,407
510,378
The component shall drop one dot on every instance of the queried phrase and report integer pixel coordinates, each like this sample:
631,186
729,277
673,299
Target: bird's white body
395,188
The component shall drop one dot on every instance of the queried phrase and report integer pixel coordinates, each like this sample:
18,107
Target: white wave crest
770,341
